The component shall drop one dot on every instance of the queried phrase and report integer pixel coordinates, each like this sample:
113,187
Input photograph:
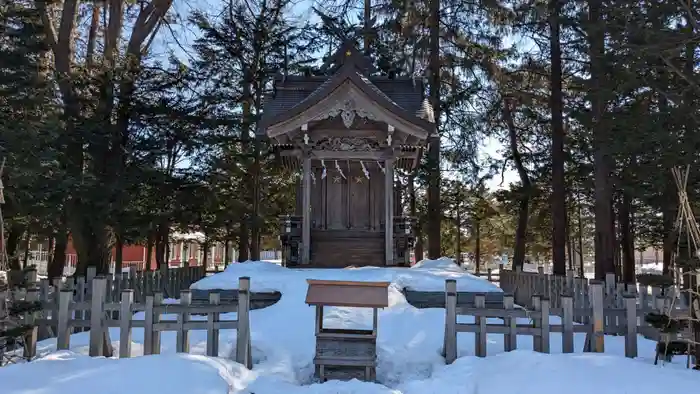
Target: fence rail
595,319
98,313
523,285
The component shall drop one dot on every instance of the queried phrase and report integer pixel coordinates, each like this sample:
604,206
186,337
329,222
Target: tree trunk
617,250
569,246
244,236
434,211
669,212
92,33
525,189
205,253
118,255
558,158
149,253
14,237
227,258
162,243
580,239
477,246
627,239
25,257
418,231
604,240
58,259
459,234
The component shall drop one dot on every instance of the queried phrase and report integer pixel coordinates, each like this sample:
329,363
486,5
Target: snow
67,372
426,275
409,345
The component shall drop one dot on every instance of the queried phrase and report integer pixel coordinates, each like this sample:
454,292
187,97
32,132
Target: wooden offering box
345,354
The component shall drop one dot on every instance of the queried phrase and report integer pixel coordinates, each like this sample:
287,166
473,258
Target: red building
136,255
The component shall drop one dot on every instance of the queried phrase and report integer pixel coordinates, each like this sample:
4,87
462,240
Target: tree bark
118,255
434,211
477,246
149,253
25,257
418,231
558,183
14,237
604,240
58,259
627,239
525,188
459,232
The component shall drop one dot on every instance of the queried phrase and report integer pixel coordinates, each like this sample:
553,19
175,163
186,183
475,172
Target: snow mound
523,372
426,275
67,372
526,372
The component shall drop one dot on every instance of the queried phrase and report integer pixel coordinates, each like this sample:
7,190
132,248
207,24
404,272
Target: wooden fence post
91,273
157,302
125,324
480,335
510,339
544,324
163,270
32,276
536,323
631,331
148,326
99,286
609,283
64,317
567,319
32,335
243,334
79,298
213,333
450,340
596,342
183,335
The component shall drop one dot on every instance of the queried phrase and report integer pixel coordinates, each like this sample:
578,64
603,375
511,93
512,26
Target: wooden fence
169,281
96,315
540,327
525,285
597,321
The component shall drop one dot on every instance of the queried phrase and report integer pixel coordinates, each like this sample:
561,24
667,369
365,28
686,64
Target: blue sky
179,38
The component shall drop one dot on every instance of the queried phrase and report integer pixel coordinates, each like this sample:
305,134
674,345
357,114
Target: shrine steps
343,248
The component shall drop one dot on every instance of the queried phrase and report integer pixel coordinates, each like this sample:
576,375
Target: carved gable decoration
347,144
348,110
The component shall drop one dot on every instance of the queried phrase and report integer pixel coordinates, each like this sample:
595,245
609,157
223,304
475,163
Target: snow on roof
195,236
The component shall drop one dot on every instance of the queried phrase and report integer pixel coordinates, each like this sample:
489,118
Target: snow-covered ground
409,345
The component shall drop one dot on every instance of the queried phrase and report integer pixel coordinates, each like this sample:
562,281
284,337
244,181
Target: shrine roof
295,94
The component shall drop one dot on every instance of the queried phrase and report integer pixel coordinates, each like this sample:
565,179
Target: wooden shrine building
348,131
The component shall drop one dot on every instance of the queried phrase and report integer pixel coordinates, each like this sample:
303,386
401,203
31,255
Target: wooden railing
97,314
525,285
594,319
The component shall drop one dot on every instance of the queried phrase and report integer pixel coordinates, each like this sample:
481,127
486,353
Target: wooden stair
342,248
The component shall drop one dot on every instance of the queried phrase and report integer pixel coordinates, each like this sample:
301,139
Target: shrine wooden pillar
306,210
389,210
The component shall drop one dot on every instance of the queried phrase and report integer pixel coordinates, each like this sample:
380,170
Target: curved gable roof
349,73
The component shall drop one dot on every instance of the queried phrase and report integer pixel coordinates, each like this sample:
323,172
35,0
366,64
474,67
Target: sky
178,39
